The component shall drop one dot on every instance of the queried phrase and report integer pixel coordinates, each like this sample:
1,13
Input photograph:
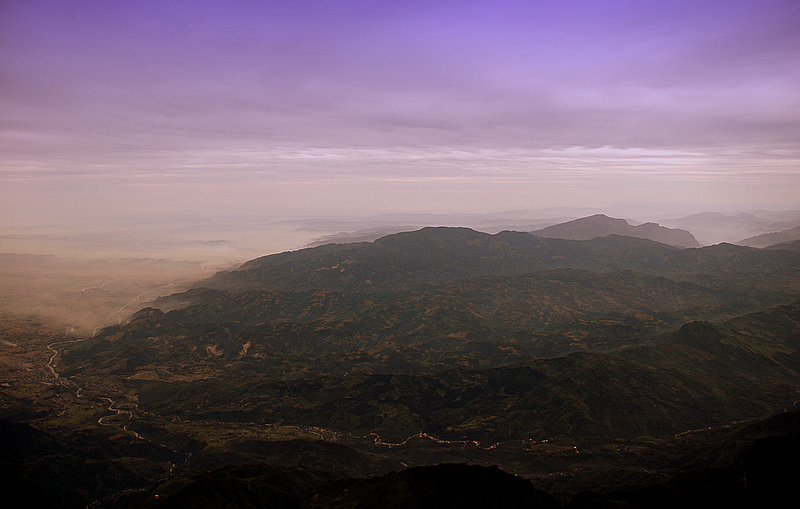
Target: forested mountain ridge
702,375
404,260
235,348
578,364
478,322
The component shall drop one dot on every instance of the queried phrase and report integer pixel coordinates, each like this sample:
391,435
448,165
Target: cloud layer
374,106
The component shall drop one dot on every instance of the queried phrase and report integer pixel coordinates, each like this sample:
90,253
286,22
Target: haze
192,129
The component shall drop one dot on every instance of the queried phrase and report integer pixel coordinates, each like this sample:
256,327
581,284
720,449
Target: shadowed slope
405,260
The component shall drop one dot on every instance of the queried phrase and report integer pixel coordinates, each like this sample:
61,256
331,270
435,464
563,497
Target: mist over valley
437,346
359,254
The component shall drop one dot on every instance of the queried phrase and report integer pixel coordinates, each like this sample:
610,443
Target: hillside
713,227
478,322
600,225
579,365
405,260
343,355
770,239
701,375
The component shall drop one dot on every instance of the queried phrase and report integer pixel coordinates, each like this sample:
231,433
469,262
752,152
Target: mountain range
375,338
600,225
714,227
404,260
584,368
690,231
771,239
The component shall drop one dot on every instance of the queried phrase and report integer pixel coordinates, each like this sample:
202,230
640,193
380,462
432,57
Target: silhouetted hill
237,487
713,228
436,486
758,471
791,246
770,239
45,470
600,225
405,260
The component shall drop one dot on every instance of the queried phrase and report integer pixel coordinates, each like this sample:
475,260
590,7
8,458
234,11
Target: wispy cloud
600,95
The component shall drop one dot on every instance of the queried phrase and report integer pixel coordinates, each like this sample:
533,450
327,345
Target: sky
145,109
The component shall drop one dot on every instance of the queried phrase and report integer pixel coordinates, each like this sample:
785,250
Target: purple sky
337,107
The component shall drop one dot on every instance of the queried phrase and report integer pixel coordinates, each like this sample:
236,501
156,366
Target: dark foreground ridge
763,475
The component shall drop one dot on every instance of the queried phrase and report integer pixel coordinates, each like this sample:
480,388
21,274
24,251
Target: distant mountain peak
772,238
600,225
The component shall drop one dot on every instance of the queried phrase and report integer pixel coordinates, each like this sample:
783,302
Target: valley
399,255
607,366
